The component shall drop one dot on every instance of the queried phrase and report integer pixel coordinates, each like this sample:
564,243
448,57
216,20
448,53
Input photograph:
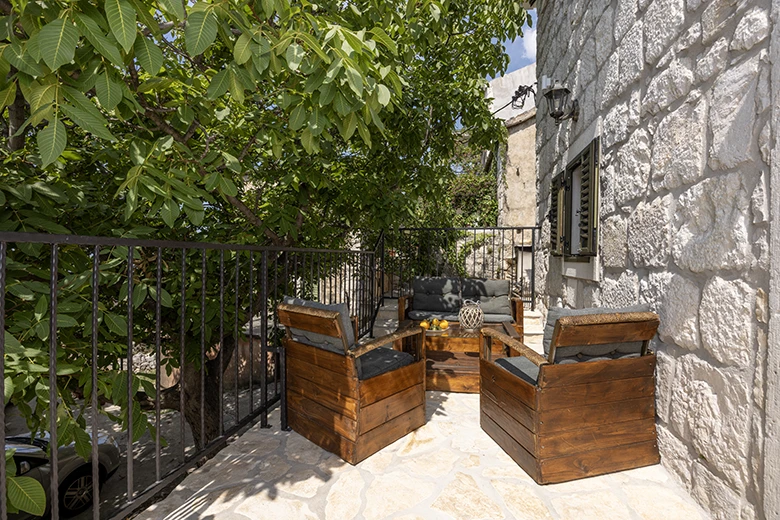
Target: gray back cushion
588,350
437,294
493,295
321,340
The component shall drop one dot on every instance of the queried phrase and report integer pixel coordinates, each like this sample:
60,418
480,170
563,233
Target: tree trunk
16,118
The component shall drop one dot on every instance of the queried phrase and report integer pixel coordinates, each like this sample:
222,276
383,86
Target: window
574,204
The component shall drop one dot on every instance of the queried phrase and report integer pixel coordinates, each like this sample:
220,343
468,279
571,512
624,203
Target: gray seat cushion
436,294
492,295
521,367
429,315
588,350
381,360
497,318
321,340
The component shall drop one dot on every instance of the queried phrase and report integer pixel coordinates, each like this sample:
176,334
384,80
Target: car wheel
76,492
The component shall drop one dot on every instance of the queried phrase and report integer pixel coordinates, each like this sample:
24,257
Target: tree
263,121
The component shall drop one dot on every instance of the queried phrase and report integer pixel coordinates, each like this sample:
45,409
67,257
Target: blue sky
522,51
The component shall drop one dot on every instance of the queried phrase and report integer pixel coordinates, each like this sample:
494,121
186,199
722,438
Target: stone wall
517,183
680,93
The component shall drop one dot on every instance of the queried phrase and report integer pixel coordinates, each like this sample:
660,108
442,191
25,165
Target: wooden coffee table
452,358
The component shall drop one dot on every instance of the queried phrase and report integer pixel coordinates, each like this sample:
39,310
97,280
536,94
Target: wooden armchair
587,413
356,399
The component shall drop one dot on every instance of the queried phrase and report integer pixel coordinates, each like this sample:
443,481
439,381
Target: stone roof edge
521,118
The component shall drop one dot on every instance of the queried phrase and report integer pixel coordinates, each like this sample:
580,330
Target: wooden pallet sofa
587,408
453,362
349,399
442,297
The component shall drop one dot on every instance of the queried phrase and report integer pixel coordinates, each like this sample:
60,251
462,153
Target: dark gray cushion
381,360
589,350
521,367
497,318
493,295
436,294
321,340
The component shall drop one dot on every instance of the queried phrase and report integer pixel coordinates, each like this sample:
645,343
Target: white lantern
471,316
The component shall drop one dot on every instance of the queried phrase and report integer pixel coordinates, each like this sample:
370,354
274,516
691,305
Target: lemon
444,324
425,325
435,321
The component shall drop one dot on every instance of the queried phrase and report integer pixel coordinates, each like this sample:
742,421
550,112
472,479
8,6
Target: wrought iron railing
137,319
506,253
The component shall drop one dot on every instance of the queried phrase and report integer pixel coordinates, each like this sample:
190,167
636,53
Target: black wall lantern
558,103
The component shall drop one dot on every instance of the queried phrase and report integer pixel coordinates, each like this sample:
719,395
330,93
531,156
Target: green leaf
18,56
341,104
41,308
298,117
7,96
227,186
294,55
46,225
170,212
94,34
149,55
200,32
26,494
355,81
122,21
116,323
139,294
174,7
243,49
58,39
85,114
219,84
381,36
83,443
383,94
109,92
8,389
51,142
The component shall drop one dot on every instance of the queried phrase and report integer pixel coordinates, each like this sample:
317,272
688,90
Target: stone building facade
516,169
684,99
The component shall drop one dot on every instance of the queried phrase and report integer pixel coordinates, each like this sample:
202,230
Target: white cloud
529,44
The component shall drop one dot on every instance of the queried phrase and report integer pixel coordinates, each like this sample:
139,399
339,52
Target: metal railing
176,341
506,253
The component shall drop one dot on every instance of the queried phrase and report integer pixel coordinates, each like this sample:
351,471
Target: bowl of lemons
435,325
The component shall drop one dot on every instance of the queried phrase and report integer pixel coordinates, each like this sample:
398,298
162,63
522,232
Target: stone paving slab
448,469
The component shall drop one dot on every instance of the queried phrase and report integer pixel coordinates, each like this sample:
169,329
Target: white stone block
664,19
653,288
715,16
759,204
609,81
668,86
713,407
726,319
762,307
631,57
615,125
753,28
614,241
605,42
649,233
664,382
620,292
679,147
625,16
713,61
679,313
711,220
633,166
732,115
714,494
675,455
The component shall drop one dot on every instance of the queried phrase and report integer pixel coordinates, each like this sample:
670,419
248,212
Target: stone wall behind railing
679,92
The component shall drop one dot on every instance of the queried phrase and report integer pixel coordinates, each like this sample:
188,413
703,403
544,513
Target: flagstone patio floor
448,469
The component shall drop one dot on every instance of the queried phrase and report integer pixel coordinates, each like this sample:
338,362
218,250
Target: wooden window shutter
557,215
589,201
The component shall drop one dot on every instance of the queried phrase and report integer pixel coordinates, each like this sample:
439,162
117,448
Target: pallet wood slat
579,419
